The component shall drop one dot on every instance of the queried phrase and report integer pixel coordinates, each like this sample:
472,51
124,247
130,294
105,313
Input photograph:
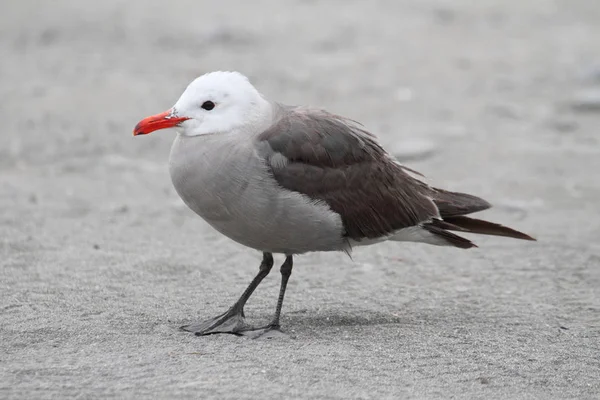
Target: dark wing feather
330,159
467,224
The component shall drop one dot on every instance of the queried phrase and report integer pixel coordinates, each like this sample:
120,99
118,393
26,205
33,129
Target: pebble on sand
586,101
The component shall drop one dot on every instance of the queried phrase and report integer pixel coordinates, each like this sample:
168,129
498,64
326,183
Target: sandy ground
101,262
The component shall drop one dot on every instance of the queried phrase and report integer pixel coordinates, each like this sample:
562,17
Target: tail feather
453,206
440,230
473,225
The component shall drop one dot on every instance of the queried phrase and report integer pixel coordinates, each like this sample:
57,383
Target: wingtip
520,235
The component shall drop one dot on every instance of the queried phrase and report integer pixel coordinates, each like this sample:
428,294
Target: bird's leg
232,321
286,271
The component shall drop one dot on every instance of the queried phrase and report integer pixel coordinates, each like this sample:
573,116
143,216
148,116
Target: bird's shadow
309,320
336,318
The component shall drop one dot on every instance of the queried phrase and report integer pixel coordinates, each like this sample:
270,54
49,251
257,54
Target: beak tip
137,130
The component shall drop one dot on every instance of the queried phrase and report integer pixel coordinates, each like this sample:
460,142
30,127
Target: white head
217,102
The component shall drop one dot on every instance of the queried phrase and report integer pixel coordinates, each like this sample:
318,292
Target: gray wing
331,159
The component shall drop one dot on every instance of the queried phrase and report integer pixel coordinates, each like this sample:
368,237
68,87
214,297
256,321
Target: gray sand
101,261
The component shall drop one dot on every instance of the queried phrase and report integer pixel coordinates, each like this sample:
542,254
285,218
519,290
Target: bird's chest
214,177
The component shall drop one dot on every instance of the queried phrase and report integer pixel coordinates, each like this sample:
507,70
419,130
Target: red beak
168,119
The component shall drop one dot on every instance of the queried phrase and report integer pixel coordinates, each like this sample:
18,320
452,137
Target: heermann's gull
291,180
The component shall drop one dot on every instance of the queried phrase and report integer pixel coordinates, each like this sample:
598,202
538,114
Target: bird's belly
231,188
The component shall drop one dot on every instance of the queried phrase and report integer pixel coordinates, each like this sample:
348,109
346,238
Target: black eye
208,105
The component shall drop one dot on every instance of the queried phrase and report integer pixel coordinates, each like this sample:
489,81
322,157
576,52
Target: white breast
224,181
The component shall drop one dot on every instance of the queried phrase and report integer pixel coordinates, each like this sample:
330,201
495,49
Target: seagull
294,179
